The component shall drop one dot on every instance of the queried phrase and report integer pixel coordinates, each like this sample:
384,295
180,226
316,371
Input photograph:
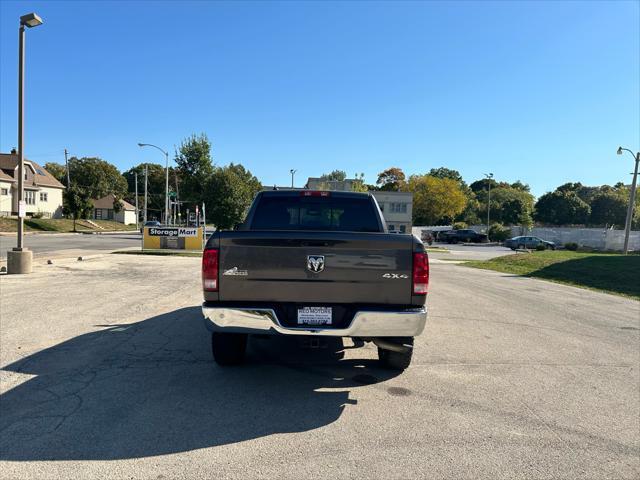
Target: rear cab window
318,212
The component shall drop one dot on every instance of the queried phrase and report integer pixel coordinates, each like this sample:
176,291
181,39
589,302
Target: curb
110,232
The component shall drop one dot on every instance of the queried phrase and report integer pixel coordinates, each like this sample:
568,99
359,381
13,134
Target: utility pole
135,176
632,199
66,162
175,173
146,176
489,177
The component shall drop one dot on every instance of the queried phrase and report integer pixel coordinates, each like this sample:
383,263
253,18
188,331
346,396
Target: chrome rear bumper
403,323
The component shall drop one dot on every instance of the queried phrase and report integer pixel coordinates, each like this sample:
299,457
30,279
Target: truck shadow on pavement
151,388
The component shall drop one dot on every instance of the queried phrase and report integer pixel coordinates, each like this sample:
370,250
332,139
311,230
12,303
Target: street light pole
146,175
19,260
489,176
166,184
632,198
293,172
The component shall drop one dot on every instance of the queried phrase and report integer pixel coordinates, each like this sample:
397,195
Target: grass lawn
61,225
612,273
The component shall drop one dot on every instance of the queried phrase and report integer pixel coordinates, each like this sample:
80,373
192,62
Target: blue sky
538,91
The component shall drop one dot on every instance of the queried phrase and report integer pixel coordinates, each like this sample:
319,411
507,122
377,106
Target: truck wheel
228,348
396,360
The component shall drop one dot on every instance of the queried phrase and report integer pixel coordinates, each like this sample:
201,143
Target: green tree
155,187
609,208
562,207
335,176
518,185
435,200
392,179
58,171
512,211
444,172
97,177
359,185
483,184
77,203
195,167
229,193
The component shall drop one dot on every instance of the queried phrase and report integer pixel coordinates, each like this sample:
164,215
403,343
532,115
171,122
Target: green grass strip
606,272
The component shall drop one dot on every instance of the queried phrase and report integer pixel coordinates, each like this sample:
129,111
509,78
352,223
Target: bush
541,247
38,214
459,225
571,246
499,233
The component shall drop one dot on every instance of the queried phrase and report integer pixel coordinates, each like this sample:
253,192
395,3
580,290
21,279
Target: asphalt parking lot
107,373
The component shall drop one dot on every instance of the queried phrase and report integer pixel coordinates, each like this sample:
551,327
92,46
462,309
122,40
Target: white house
42,192
103,210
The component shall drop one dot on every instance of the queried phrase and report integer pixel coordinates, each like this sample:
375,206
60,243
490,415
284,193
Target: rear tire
228,348
396,360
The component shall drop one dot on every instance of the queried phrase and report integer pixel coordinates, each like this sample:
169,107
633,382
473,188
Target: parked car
316,264
528,242
427,237
150,223
464,235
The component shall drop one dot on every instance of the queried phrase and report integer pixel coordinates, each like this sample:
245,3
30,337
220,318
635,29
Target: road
46,243
107,373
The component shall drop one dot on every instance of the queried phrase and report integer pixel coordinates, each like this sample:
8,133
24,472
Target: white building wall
391,218
53,206
128,217
5,200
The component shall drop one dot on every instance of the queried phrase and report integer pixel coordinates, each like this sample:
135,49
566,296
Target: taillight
420,273
314,193
210,270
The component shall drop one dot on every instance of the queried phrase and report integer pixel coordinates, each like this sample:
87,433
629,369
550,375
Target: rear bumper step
365,323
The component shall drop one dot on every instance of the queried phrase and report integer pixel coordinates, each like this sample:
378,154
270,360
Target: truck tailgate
315,267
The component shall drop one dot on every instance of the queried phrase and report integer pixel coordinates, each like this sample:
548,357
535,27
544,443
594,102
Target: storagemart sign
173,232
174,238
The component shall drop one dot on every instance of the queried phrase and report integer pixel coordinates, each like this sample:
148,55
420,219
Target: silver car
528,242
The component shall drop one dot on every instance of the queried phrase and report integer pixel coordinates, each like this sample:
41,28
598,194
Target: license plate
314,316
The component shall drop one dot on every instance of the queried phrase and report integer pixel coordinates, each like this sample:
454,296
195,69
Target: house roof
41,178
107,202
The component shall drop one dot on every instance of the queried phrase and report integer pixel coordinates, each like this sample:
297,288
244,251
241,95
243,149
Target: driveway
106,373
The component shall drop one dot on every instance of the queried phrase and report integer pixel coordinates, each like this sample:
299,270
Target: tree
392,179
435,200
483,184
194,166
58,171
512,211
155,186
97,177
77,203
609,208
444,172
229,193
358,185
518,185
335,176
561,207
